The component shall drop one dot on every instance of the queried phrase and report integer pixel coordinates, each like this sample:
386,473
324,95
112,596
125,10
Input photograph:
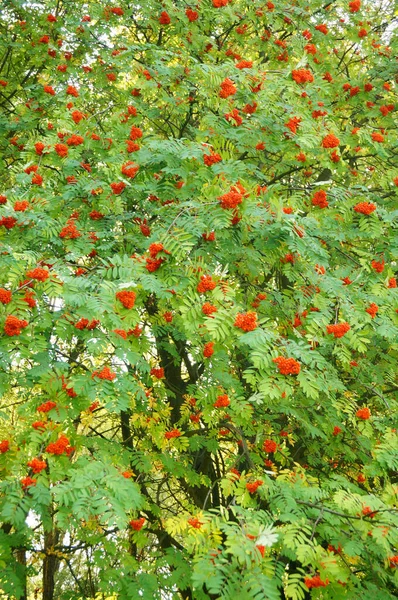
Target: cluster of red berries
86,324
68,390
315,582
253,486
157,372
72,91
135,133
302,76
338,329
378,266
368,512
231,199
208,349
4,446
192,15
227,88
365,208
46,406
195,523
153,264
234,116
246,321
174,433
259,298
77,116
61,446
377,137
13,325
244,64
61,150
330,141
75,140
126,298
363,413
206,284
27,482
211,159
354,6
222,401
319,199
287,366
208,309
39,425
118,187
21,205
155,248
372,310
8,222
5,296
105,373
37,465
70,231
130,169
137,524
288,258
164,18
293,124
270,446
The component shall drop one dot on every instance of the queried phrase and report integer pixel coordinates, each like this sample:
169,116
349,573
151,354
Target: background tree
198,300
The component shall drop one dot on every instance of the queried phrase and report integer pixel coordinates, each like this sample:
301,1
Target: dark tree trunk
50,564
21,558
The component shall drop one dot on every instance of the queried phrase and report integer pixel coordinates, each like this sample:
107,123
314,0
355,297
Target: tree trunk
21,558
50,564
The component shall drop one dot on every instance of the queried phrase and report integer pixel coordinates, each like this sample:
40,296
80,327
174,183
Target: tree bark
50,564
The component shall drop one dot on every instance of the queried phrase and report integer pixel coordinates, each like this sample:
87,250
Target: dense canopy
198,300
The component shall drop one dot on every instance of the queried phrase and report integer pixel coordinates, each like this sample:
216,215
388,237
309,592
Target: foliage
198,303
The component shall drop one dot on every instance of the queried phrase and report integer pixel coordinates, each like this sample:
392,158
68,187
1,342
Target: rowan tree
198,300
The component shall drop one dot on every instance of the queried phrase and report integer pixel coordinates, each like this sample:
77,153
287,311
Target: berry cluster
106,373
206,284
61,446
157,372
287,366
137,524
253,486
338,329
174,433
302,76
365,208
37,465
13,325
46,406
126,298
222,401
246,321
315,582
227,88
363,413
270,446
319,199
330,141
